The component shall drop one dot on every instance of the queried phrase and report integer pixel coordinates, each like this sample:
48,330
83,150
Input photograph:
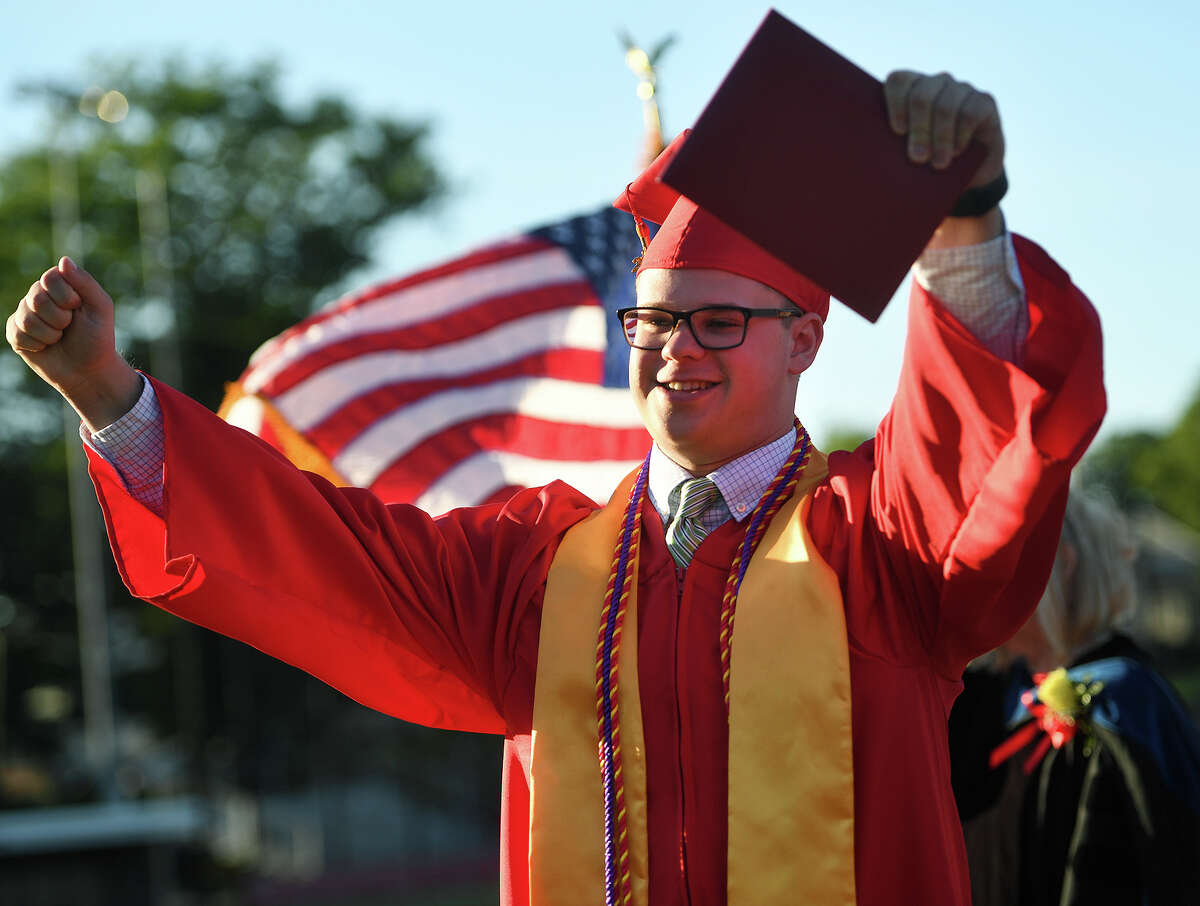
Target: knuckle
53,283
56,317
983,102
927,88
41,304
943,131
925,94
958,93
947,84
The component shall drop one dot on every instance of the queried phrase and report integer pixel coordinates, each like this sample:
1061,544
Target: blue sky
535,118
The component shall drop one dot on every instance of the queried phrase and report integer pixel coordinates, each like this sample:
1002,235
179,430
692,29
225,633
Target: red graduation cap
690,237
795,152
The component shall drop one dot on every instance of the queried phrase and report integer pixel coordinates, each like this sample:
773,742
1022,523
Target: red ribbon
1059,729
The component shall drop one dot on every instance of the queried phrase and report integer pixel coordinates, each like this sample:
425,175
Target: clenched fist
63,329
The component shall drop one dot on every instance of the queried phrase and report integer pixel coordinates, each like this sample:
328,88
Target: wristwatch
978,201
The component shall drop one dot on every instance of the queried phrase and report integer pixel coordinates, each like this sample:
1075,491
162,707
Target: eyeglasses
713,326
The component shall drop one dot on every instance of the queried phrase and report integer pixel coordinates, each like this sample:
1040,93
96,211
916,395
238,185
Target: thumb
91,292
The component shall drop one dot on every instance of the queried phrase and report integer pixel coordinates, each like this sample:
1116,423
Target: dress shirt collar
741,481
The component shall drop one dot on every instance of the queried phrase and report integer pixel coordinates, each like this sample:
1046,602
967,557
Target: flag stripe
356,416
311,402
490,314
547,441
409,307
482,475
493,254
393,435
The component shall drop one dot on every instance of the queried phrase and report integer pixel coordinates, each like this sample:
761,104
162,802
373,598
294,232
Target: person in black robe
1078,786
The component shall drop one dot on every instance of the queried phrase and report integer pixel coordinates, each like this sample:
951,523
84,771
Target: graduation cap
793,177
691,237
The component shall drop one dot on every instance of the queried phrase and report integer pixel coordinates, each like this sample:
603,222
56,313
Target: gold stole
791,772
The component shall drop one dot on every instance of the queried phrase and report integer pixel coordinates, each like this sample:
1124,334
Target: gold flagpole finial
644,65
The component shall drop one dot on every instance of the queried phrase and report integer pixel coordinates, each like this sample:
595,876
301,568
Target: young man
763,659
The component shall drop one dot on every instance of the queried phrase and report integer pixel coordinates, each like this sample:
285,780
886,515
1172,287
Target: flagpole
166,363
154,227
645,66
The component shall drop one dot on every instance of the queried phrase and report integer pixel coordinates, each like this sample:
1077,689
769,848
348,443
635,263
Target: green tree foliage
1111,465
1172,472
270,205
1160,469
843,437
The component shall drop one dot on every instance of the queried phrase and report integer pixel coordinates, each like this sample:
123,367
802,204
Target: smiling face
705,407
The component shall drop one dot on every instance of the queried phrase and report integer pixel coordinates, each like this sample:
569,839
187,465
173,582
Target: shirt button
741,507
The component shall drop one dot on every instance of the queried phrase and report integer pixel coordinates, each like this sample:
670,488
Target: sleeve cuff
981,286
133,445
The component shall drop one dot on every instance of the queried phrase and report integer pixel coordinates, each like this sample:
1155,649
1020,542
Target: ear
807,332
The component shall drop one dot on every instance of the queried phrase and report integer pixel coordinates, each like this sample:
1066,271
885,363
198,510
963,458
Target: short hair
1092,587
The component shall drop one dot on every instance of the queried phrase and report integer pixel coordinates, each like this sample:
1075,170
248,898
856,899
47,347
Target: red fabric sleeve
958,499
434,621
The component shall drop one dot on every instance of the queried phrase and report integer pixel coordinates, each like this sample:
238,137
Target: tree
843,437
269,205
1159,469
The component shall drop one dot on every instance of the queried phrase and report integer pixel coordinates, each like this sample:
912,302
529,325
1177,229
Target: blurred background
227,169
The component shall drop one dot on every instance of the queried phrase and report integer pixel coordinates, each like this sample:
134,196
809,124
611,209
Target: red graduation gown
941,530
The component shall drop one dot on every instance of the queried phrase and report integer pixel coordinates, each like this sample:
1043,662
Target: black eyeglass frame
677,316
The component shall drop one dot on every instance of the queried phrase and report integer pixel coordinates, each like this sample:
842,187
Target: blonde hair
1092,587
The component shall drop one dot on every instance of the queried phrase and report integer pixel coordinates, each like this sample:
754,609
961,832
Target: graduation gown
941,530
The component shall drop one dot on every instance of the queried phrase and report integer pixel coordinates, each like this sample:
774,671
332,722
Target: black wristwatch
978,201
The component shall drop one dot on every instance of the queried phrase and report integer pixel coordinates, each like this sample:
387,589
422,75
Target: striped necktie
685,531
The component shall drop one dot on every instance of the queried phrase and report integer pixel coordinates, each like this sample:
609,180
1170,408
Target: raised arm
953,509
434,621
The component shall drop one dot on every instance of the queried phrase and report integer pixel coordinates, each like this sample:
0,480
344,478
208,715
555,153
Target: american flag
502,369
